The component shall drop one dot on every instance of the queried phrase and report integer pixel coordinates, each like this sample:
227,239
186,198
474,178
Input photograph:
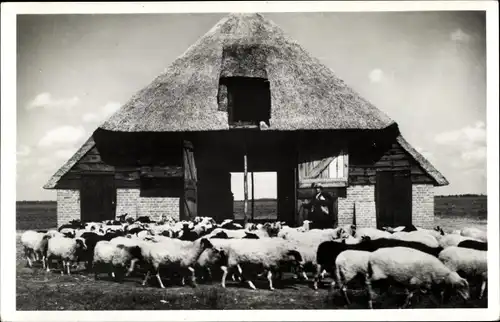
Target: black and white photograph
211,158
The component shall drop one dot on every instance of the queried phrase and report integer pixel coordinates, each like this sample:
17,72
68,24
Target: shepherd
321,209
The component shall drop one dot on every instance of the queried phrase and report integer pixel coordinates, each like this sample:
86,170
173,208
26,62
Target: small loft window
247,100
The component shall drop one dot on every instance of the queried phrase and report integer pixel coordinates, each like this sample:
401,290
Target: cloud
90,118
376,75
23,151
63,135
65,154
104,112
46,101
469,136
110,108
465,148
459,35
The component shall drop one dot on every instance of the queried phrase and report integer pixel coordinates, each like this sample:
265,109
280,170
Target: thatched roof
428,168
86,147
305,94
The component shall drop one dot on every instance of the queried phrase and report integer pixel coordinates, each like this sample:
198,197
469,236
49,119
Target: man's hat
317,185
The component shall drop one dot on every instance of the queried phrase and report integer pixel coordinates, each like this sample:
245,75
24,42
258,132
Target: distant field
450,209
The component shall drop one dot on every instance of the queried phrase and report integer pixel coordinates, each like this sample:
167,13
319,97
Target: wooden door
393,198
97,197
287,200
190,183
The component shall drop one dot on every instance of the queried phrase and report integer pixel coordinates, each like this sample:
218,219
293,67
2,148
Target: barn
247,98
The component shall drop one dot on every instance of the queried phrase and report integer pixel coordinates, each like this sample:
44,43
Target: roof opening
247,100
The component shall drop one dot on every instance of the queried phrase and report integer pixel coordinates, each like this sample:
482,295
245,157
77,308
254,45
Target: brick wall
68,206
129,201
364,198
423,205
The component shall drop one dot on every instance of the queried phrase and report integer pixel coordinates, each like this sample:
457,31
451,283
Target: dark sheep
221,235
144,220
409,228
91,239
188,234
135,230
230,226
74,224
473,244
250,236
388,242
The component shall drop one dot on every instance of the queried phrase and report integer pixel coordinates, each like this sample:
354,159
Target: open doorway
264,189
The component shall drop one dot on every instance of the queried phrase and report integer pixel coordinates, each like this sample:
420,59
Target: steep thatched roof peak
305,94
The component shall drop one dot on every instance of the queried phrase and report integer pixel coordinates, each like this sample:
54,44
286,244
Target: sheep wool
348,265
417,236
373,233
413,268
471,262
34,244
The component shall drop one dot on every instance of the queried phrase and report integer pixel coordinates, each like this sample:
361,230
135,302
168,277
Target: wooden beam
253,199
245,189
340,182
315,172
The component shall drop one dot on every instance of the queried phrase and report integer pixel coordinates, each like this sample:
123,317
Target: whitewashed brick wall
68,206
129,201
423,205
364,198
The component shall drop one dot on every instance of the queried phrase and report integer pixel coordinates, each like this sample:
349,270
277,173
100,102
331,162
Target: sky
426,70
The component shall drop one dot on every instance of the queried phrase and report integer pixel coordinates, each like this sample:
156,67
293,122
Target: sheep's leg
44,259
158,277
193,277
68,264
408,299
369,290
146,277
47,260
131,267
304,275
343,290
224,276
63,267
317,276
483,287
270,279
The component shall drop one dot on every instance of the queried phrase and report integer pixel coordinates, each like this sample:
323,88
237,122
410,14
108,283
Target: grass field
38,290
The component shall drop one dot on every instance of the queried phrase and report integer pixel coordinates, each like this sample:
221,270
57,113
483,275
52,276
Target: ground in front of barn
38,290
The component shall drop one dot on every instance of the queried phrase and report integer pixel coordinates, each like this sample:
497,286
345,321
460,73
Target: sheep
267,253
178,253
417,236
414,269
470,262
473,244
112,256
328,251
66,249
474,233
348,265
230,224
452,240
373,233
437,232
34,244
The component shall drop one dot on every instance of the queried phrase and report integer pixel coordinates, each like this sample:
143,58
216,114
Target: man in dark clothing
321,209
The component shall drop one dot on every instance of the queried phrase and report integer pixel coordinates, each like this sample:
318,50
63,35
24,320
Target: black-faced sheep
68,250
112,256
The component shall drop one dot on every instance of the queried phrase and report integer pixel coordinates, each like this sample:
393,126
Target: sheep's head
459,284
80,244
205,243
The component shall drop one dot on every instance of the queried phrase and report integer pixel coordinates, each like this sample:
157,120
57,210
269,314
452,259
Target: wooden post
253,200
245,187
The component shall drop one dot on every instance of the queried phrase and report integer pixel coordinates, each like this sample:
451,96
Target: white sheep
412,268
348,265
66,249
452,240
266,253
470,262
35,245
178,253
417,236
112,256
475,233
373,233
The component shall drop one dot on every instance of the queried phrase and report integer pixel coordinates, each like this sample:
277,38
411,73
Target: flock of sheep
420,260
